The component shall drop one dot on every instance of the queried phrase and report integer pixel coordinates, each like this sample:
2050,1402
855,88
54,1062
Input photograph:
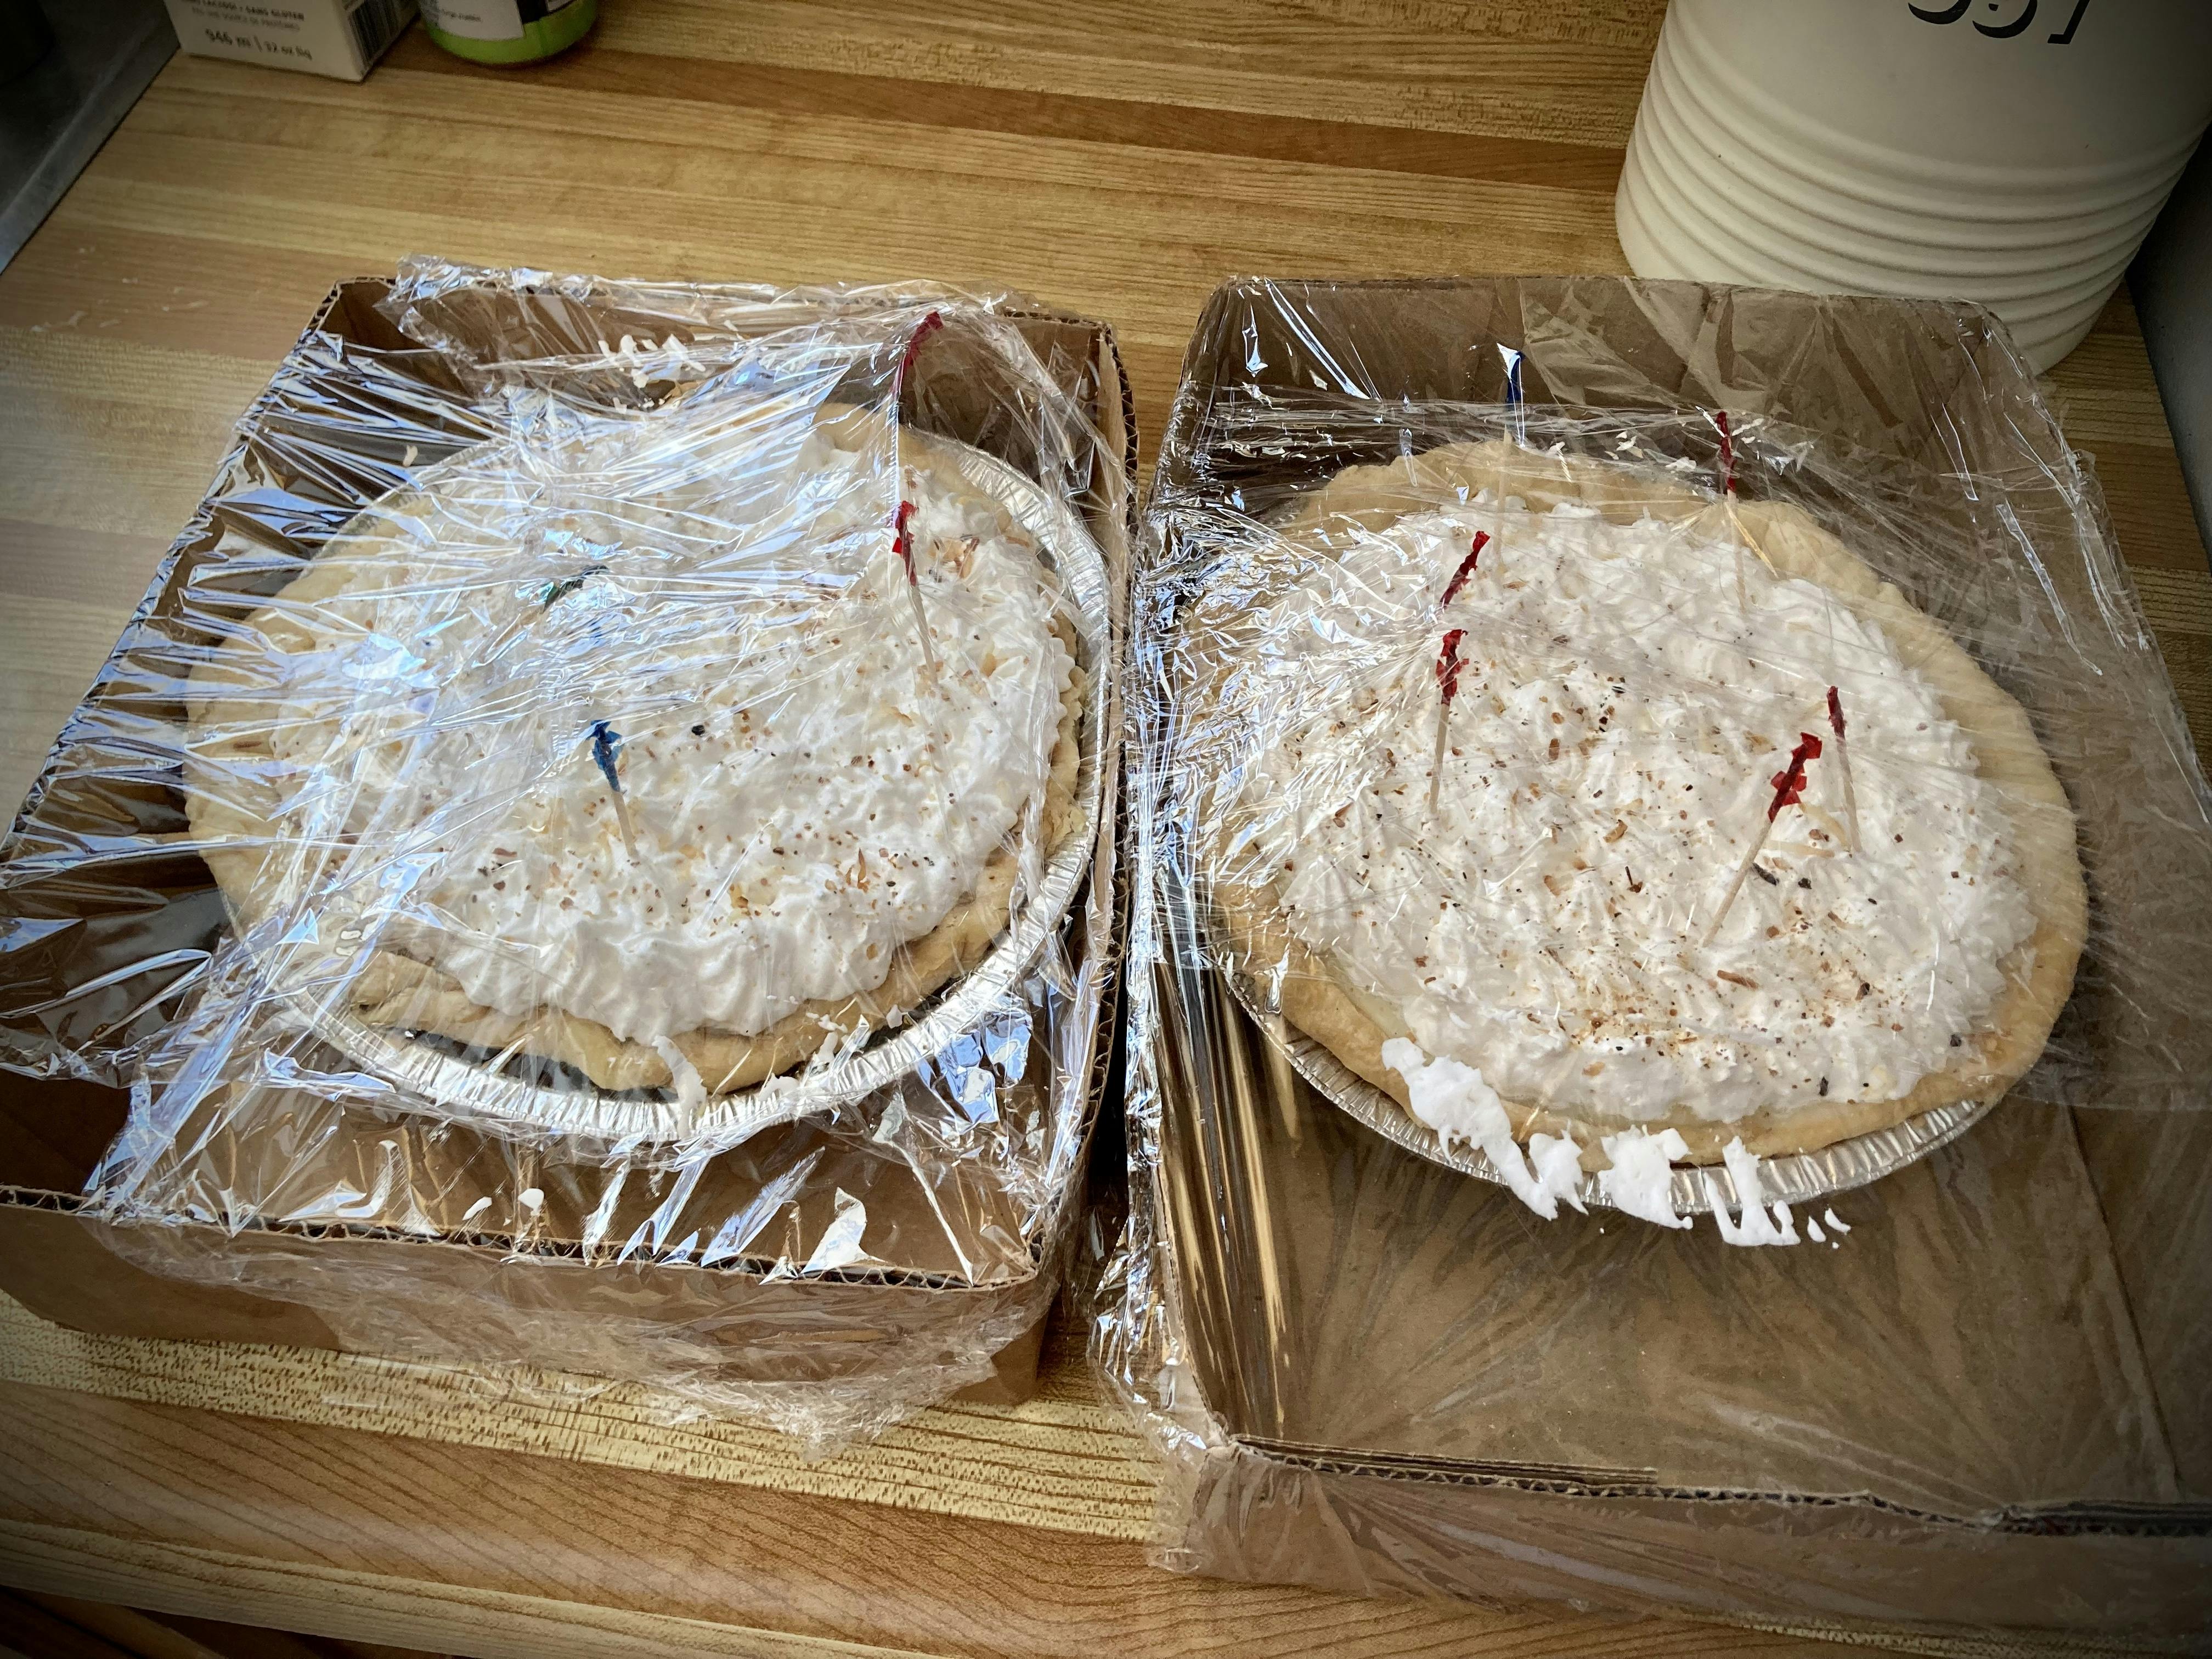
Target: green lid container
507,31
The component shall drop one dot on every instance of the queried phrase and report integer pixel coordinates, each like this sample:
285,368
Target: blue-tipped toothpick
606,752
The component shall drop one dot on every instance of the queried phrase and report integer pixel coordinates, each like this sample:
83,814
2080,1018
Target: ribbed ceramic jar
2009,151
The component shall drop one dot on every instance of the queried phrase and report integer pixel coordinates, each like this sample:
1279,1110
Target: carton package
1981,1409
827,1270
342,38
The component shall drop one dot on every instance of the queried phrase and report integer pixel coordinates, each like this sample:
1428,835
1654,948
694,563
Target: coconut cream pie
635,755
1663,879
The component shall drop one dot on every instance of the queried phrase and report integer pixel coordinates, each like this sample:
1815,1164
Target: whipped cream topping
1627,693
1638,1179
1756,1223
1452,1099
717,618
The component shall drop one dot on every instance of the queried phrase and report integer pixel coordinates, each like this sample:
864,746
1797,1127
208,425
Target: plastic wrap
655,752
1816,836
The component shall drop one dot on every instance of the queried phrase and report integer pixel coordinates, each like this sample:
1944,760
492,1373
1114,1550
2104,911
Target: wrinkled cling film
1370,1372
1530,739
655,827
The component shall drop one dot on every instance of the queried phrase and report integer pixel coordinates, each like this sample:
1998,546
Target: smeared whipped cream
1452,1099
1612,746
1640,1179
720,616
1755,1223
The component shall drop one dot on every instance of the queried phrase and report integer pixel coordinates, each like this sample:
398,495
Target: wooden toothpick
1789,788
1843,764
902,542
1448,662
1465,569
1743,536
927,326
606,753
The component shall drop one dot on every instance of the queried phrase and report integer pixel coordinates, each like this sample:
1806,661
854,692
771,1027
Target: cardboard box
1987,1407
451,1279
342,38
64,1267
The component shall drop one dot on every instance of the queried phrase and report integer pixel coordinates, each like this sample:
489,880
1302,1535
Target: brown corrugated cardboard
1984,1405
445,1244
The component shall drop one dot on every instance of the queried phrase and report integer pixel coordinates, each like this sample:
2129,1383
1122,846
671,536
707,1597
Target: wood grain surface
493,1553
70,1627
1118,160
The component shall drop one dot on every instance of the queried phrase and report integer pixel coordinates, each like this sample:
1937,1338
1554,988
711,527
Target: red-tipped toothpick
927,326
1843,764
1465,569
1448,662
1727,504
902,544
1789,790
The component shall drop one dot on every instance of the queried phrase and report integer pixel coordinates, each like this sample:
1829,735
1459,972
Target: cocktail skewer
1743,535
1465,569
1789,788
607,751
927,326
1843,764
902,542
1448,662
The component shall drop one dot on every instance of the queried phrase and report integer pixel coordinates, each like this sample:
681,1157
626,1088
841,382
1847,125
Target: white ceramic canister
2009,151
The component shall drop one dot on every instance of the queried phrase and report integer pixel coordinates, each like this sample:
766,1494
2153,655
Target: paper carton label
323,37
489,20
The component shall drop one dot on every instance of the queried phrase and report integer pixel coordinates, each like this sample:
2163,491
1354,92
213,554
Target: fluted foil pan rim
1794,1178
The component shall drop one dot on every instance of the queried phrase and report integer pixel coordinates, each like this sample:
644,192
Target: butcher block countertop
1116,161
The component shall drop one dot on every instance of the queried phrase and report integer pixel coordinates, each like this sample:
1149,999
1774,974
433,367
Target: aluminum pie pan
436,1079
1794,1178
